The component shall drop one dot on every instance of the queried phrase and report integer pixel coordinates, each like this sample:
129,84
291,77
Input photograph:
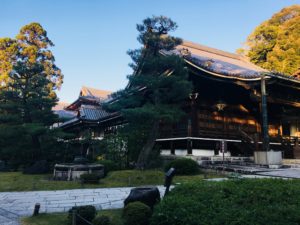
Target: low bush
183,166
102,220
89,178
233,202
136,213
88,212
108,165
39,167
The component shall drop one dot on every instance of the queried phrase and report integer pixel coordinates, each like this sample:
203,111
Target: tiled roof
218,62
90,112
224,64
66,114
94,93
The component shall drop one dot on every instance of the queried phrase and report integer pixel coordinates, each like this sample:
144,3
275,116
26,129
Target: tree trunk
147,148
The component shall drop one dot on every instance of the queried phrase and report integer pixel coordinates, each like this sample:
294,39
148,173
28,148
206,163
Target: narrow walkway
16,204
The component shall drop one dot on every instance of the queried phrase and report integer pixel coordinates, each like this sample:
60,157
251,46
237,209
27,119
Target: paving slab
283,173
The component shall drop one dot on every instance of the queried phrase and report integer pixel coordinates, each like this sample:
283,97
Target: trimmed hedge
87,212
183,166
136,213
233,202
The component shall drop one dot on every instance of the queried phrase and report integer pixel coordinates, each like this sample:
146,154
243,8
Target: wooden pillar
264,112
172,148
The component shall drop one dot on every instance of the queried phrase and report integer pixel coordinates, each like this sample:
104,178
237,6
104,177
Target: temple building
224,114
90,119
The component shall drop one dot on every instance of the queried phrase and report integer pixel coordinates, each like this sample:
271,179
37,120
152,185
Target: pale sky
91,37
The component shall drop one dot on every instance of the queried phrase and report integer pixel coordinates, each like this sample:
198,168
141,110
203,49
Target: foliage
136,213
31,46
89,178
114,215
109,165
275,44
61,218
157,87
245,201
113,148
28,80
102,220
183,166
88,212
45,219
39,167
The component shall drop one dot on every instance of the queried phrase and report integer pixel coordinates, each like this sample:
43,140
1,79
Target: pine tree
27,96
158,86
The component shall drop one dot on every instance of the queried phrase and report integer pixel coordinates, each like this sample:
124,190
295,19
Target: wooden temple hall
228,113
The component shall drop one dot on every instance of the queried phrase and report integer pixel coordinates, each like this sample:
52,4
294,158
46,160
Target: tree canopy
275,44
30,46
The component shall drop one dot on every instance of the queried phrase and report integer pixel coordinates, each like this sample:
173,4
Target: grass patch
16,181
61,218
46,219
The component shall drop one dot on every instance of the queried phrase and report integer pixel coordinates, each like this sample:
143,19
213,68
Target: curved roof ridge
93,92
211,50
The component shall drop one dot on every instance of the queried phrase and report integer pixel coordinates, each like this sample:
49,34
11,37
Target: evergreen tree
275,44
27,95
31,45
158,86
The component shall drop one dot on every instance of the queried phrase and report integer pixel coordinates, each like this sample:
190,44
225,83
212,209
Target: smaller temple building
87,120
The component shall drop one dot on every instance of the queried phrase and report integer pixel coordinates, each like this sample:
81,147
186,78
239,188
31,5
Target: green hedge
136,213
183,166
241,202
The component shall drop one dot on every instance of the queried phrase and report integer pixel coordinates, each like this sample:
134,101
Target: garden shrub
88,212
136,213
102,220
89,178
109,165
233,202
39,167
183,166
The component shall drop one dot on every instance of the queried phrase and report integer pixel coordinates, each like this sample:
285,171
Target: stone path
16,204
8,218
283,173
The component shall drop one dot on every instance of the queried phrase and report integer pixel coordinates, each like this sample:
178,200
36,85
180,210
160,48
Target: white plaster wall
226,154
165,152
181,152
203,152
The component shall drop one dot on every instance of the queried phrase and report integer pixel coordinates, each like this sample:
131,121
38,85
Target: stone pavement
16,204
283,173
8,218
